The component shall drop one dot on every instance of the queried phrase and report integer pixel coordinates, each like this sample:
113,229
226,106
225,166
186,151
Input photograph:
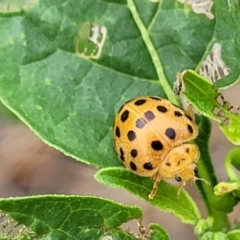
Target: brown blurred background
28,167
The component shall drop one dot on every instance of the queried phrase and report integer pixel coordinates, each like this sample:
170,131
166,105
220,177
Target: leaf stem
216,207
153,53
212,203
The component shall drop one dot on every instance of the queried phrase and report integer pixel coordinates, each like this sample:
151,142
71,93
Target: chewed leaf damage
213,67
90,40
15,6
200,6
12,230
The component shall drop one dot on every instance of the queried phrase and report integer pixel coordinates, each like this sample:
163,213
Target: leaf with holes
67,66
69,217
205,98
70,99
200,93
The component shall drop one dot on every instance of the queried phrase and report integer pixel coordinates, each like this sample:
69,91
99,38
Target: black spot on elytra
121,154
124,115
149,115
170,133
117,132
133,166
189,117
179,162
187,150
140,123
148,166
190,129
168,164
178,179
140,102
156,98
134,153
156,145
161,109
177,114
131,135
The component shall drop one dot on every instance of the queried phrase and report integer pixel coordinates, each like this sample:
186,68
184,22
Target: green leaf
14,5
204,225
158,232
217,207
232,160
165,199
227,13
214,236
203,95
70,101
234,235
60,95
200,93
232,130
71,217
169,28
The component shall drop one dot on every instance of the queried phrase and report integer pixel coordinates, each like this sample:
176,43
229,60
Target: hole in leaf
11,229
213,67
15,6
91,38
200,6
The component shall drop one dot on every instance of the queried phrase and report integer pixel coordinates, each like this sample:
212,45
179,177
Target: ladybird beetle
150,137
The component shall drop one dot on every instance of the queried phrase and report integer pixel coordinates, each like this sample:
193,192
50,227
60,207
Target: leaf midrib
153,53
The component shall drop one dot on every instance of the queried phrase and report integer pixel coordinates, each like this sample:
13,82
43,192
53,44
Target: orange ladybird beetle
150,135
